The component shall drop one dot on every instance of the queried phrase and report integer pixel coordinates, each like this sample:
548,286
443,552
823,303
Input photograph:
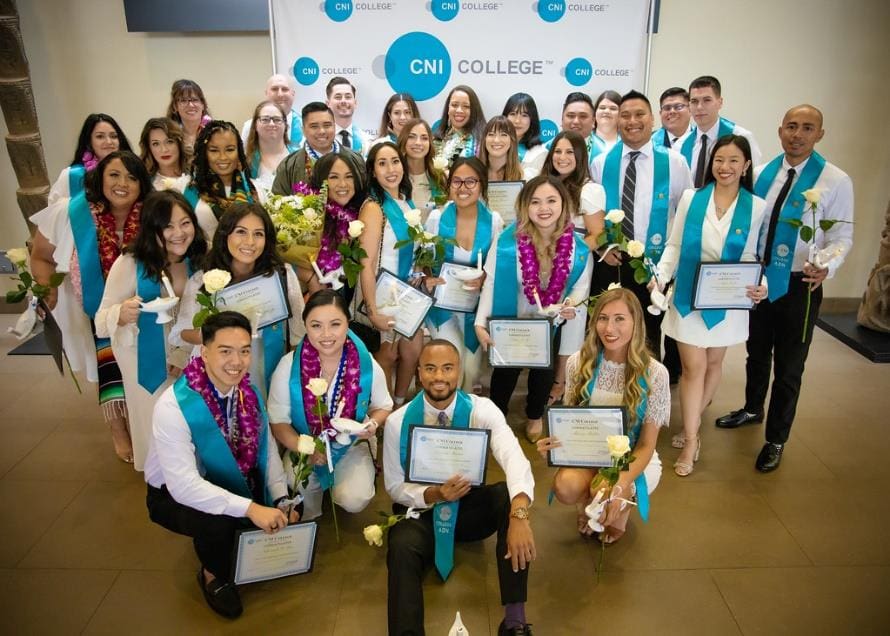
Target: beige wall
769,54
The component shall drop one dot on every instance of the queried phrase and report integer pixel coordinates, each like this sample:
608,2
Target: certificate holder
261,299
520,343
503,197
722,285
403,303
437,453
582,430
452,296
260,556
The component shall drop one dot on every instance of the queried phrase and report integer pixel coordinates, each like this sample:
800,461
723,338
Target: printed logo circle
551,10
656,239
782,250
444,513
338,10
419,64
578,71
549,129
444,10
306,71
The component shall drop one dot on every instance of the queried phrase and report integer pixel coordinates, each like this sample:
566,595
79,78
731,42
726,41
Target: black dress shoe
221,596
769,458
738,418
524,630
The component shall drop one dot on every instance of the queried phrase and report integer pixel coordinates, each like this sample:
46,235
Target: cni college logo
549,129
578,71
550,10
444,10
419,64
305,71
337,10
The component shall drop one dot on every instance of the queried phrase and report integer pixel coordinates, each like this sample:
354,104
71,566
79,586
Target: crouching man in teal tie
455,511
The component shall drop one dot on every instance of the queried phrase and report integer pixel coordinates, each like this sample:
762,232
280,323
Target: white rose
356,228
306,444
373,535
635,249
310,214
440,163
18,255
428,236
813,195
298,202
412,217
317,386
614,286
619,445
216,279
615,216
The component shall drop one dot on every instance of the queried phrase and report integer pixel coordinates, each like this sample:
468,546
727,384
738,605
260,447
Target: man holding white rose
798,184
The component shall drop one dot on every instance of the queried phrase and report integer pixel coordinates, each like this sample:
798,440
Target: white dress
121,286
691,329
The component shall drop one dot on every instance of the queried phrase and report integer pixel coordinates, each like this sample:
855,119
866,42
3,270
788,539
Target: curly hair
173,132
202,175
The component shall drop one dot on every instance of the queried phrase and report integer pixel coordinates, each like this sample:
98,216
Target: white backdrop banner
424,47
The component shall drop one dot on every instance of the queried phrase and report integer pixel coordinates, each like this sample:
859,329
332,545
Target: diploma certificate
582,431
722,285
261,299
260,556
520,343
436,454
404,304
452,295
503,197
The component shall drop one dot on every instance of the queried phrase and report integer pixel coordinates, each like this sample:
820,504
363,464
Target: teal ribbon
150,343
274,346
191,195
211,446
521,150
296,131
86,240
356,139
298,409
725,128
690,252
634,434
76,185
444,512
396,219
778,272
481,245
661,194
596,146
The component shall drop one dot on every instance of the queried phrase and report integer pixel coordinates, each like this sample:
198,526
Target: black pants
212,535
411,551
775,341
540,381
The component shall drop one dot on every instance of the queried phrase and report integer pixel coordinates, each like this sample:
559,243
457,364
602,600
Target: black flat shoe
525,630
738,418
221,596
769,458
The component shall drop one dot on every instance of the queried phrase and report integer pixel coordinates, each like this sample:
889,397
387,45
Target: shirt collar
798,168
431,410
645,150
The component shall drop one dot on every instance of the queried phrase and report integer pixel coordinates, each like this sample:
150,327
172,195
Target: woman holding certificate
541,270
356,404
614,368
474,228
153,270
428,183
720,222
244,248
522,112
459,132
498,151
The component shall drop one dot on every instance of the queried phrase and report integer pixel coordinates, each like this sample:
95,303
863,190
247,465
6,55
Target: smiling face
178,235
279,91
399,114
544,207
800,131
615,329
439,370
119,186
270,123
635,123
222,154
318,128
190,108
464,184
705,106
164,151
564,161
418,146
388,170
497,144
104,140
675,114
729,165
326,327
459,110
246,242
342,100
578,116
606,115
341,183
227,357
521,122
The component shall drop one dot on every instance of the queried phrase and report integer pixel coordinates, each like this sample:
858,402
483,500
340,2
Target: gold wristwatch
520,512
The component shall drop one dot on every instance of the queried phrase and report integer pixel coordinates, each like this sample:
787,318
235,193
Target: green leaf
806,233
792,222
56,279
205,301
26,278
16,296
641,276
827,224
200,317
403,243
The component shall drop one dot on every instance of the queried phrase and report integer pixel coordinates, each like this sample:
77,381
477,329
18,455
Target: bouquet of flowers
430,251
298,219
613,237
214,280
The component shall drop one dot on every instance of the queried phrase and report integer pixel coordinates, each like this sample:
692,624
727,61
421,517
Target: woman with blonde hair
614,368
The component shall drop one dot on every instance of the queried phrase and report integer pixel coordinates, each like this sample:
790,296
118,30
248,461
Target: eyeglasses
185,101
469,183
667,108
271,120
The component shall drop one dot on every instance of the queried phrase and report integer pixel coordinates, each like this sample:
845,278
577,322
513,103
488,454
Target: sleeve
670,258
380,398
486,297
188,307
119,286
206,220
593,198
596,170
839,205
282,183
399,490
275,478
55,224
245,130
534,161
60,189
749,253
505,448
573,330
295,298
658,405
681,179
279,391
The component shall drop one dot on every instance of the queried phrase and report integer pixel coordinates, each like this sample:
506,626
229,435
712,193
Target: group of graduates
187,217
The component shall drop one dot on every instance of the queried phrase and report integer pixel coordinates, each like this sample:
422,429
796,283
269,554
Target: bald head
281,90
800,131
806,108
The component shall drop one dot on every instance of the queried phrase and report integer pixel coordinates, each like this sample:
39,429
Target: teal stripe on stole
273,348
724,128
778,273
396,218
86,240
191,195
521,150
76,175
211,446
296,131
151,346
506,275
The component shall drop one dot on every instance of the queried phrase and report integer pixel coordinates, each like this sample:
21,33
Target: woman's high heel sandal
534,430
684,469
120,437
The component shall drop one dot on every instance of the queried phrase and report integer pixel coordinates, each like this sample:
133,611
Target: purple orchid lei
350,387
89,161
244,444
329,258
531,269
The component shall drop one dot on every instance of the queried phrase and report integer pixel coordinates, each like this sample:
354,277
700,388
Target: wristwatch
520,512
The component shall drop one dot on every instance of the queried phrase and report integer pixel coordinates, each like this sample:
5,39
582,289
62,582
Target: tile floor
727,551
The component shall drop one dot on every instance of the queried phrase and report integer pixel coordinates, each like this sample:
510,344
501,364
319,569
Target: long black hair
85,142
202,176
320,173
375,190
133,164
747,179
474,124
525,103
268,263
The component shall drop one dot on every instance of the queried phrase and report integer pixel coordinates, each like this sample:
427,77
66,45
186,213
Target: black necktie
774,217
667,139
702,162
344,139
627,194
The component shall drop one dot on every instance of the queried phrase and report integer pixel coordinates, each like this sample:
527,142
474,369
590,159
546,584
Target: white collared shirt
712,139
485,415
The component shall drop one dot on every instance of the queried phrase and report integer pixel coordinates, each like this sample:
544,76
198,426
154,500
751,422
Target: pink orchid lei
531,269
329,258
350,385
89,161
244,442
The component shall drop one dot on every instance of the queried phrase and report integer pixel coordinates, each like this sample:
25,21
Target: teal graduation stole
76,185
661,190
191,195
356,139
778,272
595,147
296,131
444,512
481,244
211,446
298,408
150,343
396,218
506,272
521,149
633,434
274,345
690,248
725,128
83,227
